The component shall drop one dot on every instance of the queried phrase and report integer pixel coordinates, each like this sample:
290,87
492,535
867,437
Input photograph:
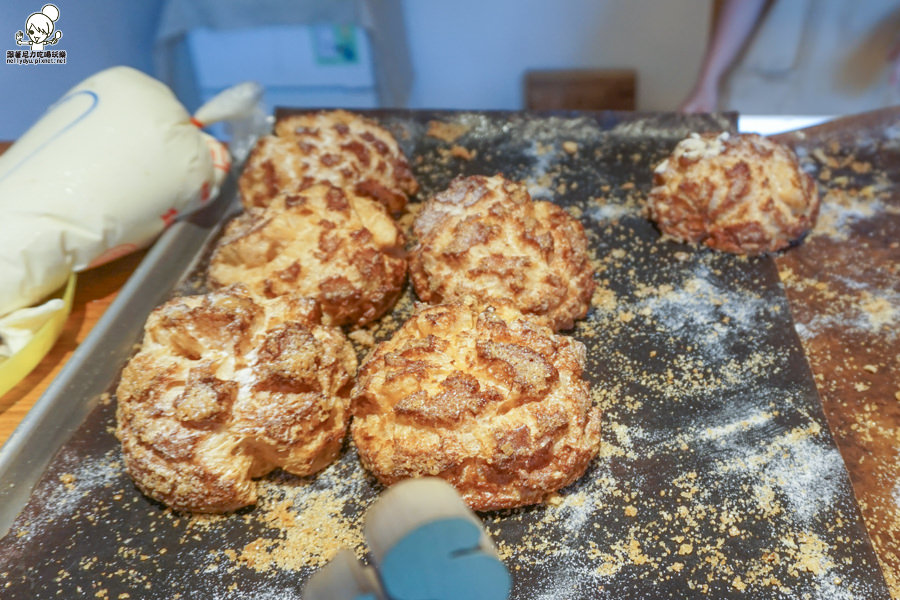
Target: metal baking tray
717,476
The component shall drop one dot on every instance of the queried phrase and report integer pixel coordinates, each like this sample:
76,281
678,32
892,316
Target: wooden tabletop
94,292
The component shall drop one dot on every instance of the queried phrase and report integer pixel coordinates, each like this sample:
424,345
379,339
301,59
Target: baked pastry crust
343,148
489,400
322,242
484,240
225,389
740,193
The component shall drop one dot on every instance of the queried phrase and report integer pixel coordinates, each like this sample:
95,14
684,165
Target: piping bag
108,167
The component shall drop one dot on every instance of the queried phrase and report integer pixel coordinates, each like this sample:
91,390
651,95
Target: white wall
473,53
96,34
466,53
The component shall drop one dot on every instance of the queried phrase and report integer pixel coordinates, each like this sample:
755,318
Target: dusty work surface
843,285
718,475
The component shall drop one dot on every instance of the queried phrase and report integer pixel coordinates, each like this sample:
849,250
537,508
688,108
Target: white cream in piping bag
109,166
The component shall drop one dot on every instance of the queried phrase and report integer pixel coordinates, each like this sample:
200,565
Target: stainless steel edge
97,360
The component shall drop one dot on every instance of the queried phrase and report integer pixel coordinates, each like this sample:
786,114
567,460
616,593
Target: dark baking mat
717,476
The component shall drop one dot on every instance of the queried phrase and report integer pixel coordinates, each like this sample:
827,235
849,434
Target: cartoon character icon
40,27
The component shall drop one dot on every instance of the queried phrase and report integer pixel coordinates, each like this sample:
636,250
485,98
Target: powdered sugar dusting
841,210
81,480
611,212
705,311
540,181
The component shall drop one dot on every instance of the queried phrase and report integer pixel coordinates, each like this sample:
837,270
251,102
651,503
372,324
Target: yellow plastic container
15,368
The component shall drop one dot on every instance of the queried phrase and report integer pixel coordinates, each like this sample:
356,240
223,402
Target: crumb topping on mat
716,475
